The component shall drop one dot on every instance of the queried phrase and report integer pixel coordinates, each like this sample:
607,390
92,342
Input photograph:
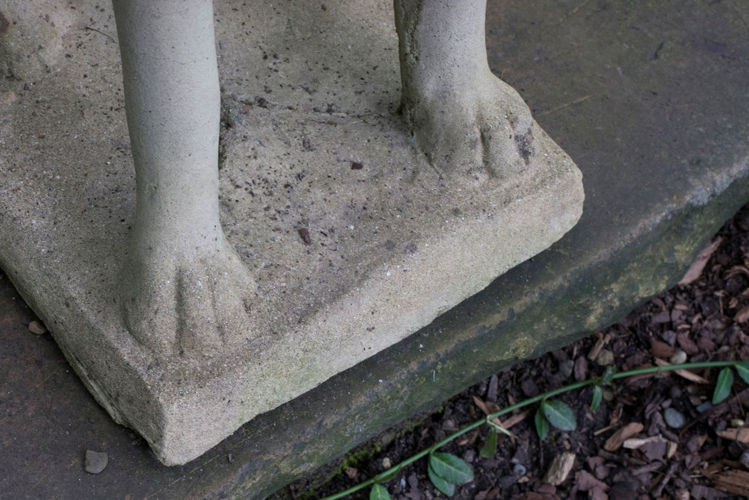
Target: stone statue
183,287
341,187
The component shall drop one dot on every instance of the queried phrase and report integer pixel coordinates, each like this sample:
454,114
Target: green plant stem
522,404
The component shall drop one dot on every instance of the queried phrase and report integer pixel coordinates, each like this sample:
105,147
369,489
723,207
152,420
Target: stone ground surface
353,240
650,101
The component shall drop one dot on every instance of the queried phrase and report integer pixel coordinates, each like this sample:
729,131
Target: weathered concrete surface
351,238
649,99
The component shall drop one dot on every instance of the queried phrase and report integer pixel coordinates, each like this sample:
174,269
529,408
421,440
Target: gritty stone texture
388,244
662,172
31,37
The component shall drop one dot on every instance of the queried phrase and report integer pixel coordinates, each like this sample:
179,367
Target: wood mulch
652,437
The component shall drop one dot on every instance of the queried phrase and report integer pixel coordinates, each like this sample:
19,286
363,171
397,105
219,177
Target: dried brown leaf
740,434
513,420
661,349
692,377
695,270
735,270
485,406
616,440
635,443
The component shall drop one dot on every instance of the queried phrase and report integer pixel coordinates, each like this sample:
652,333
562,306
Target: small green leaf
439,483
597,396
723,386
489,449
542,425
379,492
742,368
608,375
450,468
559,415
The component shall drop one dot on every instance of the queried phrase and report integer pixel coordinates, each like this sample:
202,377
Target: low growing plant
446,471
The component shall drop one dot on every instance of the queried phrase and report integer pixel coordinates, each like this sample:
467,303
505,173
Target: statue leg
469,123
183,288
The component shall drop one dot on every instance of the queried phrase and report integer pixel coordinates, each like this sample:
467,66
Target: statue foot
473,131
194,303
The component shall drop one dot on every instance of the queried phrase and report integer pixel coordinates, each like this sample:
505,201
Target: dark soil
707,319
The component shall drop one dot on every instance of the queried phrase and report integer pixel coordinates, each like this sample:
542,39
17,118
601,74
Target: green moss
359,456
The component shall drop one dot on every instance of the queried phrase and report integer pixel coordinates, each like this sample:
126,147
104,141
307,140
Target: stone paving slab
651,102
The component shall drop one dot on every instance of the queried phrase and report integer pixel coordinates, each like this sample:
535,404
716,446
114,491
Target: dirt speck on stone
304,234
4,24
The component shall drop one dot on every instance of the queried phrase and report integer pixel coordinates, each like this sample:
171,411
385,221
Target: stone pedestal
355,241
649,98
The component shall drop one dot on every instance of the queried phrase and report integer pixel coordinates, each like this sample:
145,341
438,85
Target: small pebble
704,407
469,456
37,328
95,461
448,425
386,463
678,358
566,368
674,418
413,481
519,470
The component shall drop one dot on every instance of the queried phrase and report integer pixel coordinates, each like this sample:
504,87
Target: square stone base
355,242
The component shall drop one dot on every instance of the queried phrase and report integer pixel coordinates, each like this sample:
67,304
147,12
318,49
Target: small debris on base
304,234
37,328
95,461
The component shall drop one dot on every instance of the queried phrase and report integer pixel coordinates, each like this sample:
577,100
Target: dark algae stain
4,24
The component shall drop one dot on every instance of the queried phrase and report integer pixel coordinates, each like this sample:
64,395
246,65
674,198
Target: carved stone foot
473,132
195,303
